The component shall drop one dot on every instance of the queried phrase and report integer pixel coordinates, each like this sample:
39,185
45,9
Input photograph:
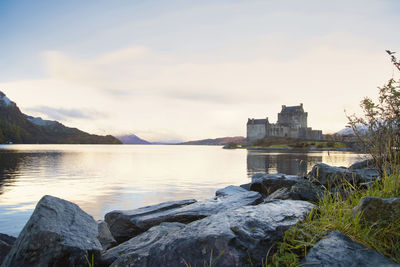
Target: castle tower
293,116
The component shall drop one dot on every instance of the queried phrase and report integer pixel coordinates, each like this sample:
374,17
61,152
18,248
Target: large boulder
366,163
127,224
140,243
302,190
6,243
374,209
338,250
266,184
230,190
105,237
231,238
331,176
58,233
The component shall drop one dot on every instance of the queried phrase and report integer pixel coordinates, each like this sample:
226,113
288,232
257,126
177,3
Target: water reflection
295,163
104,178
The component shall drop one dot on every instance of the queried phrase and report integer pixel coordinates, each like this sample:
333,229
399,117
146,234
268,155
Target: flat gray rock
58,233
266,184
375,209
228,238
141,242
125,222
230,190
338,250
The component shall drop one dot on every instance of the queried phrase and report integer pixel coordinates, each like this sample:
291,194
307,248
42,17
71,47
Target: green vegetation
335,211
276,142
378,130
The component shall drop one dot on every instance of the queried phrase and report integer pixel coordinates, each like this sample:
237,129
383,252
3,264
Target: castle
292,123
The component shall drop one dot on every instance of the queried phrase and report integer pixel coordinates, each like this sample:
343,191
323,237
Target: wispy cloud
62,114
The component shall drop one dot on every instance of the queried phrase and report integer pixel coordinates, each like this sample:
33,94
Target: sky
187,70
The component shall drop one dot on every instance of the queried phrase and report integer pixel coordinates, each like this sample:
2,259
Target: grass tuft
335,213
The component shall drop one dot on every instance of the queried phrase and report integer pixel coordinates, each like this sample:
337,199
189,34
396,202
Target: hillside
240,140
132,139
18,128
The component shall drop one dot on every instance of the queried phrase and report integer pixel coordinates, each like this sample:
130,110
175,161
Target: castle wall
255,132
295,119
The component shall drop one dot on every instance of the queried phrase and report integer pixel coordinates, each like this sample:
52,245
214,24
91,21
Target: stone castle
292,123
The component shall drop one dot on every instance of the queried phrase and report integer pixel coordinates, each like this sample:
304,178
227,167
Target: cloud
62,114
206,94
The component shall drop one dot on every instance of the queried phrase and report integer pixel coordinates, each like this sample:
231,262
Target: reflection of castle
292,123
287,163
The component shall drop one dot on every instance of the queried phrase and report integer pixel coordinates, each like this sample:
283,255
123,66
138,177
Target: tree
378,129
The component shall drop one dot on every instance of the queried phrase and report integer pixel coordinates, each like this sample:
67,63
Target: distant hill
349,131
18,128
240,140
132,139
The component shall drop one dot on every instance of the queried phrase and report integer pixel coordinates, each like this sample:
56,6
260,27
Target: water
101,178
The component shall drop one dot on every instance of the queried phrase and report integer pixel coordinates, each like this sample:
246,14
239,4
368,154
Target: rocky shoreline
238,227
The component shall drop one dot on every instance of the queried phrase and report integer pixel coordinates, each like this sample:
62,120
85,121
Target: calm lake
101,178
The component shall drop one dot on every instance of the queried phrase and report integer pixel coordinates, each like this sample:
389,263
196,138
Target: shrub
379,128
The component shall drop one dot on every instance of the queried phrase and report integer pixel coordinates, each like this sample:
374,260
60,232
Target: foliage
335,213
381,124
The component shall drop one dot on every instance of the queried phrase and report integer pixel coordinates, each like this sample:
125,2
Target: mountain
349,131
240,140
18,128
132,139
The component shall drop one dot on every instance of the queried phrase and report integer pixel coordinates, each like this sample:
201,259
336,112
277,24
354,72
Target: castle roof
257,121
292,109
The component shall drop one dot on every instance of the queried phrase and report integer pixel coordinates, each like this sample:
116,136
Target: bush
379,128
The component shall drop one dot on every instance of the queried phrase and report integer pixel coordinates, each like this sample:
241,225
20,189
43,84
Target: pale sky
185,70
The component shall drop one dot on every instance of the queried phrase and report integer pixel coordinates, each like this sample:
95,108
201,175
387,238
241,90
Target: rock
282,194
4,250
266,184
105,237
367,163
228,238
375,209
7,238
305,190
135,222
338,250
331,176
302,190
368,175
58,233
124,225
141,242
230,190
246,186
6,243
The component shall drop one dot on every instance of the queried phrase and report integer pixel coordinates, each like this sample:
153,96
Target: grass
279,142
334,213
